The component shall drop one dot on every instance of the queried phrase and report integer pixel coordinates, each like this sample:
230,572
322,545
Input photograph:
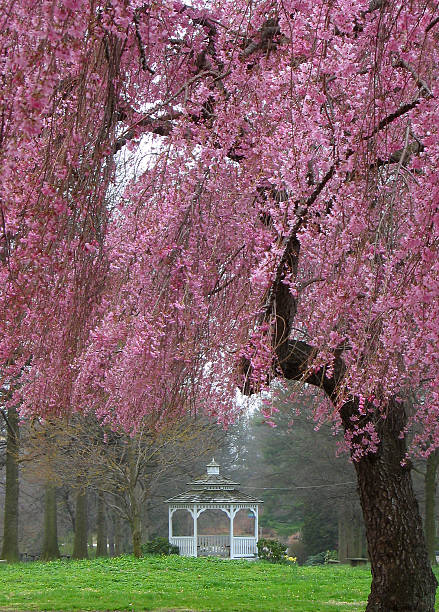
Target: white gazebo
214,492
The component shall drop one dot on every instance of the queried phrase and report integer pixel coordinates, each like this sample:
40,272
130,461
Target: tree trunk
10,524
136,532
135,521
117,535
101,528
430,499
80,550
145,520
50,542
111,543
343,537
402,578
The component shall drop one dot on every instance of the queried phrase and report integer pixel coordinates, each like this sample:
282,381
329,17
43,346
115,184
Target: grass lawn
179,583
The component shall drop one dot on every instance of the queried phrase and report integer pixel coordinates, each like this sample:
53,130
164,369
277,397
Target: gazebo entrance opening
210,497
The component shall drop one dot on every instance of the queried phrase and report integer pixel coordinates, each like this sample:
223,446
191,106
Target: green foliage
160,546
271,550
181,583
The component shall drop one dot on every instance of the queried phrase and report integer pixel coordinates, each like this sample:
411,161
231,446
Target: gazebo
214,492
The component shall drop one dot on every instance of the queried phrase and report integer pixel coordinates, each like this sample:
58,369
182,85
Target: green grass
178,583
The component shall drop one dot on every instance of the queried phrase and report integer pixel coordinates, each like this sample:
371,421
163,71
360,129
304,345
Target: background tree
101,527
50,548
80,548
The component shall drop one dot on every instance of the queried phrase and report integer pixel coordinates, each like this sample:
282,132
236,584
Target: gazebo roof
212,488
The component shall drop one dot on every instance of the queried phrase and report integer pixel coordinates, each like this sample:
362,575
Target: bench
354,561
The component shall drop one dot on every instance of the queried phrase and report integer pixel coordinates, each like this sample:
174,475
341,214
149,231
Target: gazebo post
195,530
170,523
257,525
232,516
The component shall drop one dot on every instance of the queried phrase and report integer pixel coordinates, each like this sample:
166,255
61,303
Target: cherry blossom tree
283,223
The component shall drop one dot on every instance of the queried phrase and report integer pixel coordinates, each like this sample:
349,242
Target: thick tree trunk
80,550
10,525
430,503
101,528
50,542
402,578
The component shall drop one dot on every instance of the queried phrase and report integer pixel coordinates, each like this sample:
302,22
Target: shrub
297,549
331,555
321,558
272,550
160,546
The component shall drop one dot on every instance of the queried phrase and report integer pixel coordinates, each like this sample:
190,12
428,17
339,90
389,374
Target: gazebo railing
216,545
245,546
185,544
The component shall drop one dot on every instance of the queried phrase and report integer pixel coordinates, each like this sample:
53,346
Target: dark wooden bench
354,561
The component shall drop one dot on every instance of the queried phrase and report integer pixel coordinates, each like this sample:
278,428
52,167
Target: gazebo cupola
213,467
215,492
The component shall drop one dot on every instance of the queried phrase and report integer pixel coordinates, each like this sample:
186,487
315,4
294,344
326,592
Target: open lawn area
178,583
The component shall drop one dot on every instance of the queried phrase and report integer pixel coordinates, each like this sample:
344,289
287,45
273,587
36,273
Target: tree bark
430,499
135,525
80,550
101,528
10,550
402,578
50,542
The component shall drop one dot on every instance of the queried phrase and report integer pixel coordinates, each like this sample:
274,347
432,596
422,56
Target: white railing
185,545
216,545
244,547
